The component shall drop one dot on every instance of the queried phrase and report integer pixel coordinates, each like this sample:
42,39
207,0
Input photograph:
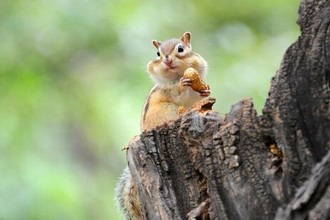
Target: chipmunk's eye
180,49
158,54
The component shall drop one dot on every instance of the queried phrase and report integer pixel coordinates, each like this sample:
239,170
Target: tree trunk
245,166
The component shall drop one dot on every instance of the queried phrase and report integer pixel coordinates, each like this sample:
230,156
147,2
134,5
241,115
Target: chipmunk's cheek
163,66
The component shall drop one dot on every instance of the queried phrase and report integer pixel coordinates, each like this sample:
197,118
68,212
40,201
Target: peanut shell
197,83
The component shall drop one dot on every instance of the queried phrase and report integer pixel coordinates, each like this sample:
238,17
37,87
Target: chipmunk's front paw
205,92
185,81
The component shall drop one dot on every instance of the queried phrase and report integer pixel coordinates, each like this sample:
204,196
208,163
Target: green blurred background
73,84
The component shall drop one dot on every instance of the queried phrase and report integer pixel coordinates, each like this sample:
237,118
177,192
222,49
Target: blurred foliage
73,84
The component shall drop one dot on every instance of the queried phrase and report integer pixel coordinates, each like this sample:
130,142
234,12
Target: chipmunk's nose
168,61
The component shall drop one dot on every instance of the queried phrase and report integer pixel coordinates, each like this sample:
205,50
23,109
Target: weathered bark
312,200
245,166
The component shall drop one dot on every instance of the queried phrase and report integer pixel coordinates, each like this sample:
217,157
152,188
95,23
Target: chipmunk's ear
156,43
186,38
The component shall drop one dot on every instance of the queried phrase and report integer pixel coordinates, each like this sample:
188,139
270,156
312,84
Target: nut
197,83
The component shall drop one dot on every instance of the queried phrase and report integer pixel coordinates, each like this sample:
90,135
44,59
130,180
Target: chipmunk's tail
127,197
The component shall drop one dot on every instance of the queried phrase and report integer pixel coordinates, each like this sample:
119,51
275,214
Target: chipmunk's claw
206,92
185,81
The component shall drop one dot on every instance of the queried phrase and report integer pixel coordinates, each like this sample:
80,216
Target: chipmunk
171,91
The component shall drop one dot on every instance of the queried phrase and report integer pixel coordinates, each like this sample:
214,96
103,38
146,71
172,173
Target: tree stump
244,165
